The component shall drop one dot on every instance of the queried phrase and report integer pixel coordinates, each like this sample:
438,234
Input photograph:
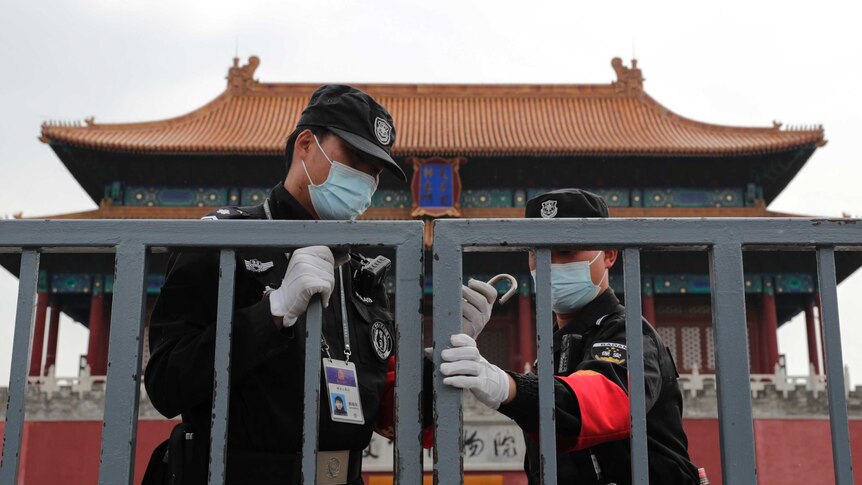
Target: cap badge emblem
382,130
549,209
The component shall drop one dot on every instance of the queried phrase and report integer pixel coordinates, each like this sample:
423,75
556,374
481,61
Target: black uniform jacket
266,394
592,404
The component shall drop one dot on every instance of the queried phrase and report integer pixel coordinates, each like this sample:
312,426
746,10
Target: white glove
467,369
310,271
476,305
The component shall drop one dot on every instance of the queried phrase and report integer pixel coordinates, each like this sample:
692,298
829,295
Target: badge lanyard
344,323
342,380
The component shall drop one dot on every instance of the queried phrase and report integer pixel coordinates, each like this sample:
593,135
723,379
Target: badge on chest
257,266
332,467
342,386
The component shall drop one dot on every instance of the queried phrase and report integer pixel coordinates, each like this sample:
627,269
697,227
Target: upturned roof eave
814,142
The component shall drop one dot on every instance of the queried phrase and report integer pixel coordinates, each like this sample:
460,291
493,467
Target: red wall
789,451
704,447
72,450
792,451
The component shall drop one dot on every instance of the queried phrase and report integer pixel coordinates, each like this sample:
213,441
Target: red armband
604,409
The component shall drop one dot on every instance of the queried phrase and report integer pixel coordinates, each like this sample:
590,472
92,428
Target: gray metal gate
723,238
132,241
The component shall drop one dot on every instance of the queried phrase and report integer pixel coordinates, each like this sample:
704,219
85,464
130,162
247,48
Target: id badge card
342,390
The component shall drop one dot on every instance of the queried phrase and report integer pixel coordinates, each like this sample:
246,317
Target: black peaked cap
566,203
353,116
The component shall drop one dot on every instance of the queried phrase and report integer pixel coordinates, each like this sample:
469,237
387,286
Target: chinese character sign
497,445
436,187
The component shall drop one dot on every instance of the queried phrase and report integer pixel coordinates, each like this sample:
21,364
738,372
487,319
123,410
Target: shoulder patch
381,340
609,352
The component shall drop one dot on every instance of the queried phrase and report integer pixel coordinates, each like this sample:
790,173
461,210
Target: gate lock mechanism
513,286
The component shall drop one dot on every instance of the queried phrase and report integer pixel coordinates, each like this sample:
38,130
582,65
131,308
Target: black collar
282,205
602,305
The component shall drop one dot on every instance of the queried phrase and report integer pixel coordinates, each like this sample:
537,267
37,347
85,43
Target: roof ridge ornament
241,78
630,80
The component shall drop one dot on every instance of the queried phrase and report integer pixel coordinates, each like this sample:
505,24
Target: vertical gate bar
731,364
448,417
123,389
545,368
409,363
834,366
17,398
311,405
221,370
635,344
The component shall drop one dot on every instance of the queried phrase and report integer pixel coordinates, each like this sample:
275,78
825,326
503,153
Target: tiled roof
251,117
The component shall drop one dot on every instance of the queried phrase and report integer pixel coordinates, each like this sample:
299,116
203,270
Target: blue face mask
344,195
572,286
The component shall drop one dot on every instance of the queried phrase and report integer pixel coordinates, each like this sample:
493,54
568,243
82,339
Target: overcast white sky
731,62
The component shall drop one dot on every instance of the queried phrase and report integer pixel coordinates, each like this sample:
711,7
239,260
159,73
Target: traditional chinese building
474,151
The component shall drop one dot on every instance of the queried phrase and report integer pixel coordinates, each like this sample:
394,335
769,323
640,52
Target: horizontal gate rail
93,235
724,239
90,235
132,241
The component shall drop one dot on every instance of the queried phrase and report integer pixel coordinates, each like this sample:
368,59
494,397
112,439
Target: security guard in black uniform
336,154
591,384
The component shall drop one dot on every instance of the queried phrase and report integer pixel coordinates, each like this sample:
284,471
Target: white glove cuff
276,308
503,387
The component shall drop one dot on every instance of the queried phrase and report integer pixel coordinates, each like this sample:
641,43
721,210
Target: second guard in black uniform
591,380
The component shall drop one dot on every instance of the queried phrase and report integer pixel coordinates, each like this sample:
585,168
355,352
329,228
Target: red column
38,333
811,333
97,328
755,348
769,353
53,333
104,337
769,324
648,308
526,341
